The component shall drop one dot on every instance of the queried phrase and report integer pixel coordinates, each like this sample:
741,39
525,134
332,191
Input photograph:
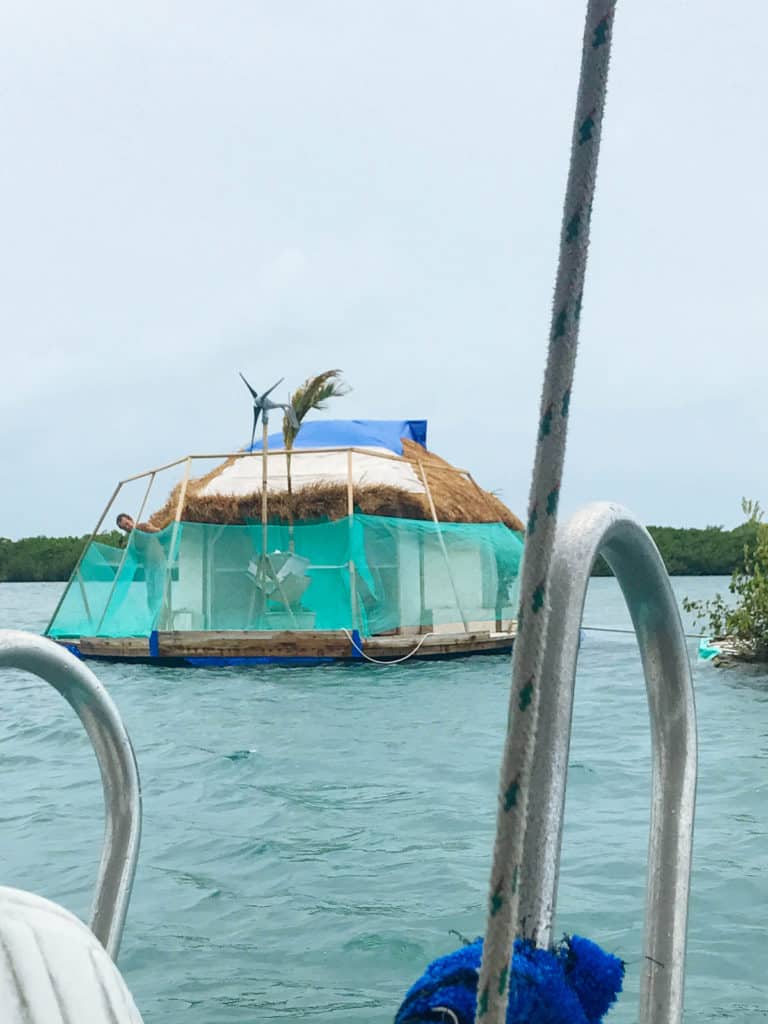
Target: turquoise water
312,836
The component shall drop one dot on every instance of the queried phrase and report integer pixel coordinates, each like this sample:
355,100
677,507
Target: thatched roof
456,497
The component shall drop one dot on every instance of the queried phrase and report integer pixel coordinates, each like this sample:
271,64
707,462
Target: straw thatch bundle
456,496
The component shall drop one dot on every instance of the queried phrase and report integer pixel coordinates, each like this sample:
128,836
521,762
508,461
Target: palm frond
314,393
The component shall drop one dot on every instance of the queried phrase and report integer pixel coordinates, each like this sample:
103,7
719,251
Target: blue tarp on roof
354,434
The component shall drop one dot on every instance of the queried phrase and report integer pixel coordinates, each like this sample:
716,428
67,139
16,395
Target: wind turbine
262,404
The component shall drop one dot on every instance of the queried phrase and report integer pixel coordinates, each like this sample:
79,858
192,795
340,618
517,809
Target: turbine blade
272,388
254,393
253,431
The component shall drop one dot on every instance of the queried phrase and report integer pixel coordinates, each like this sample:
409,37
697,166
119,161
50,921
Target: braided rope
503,909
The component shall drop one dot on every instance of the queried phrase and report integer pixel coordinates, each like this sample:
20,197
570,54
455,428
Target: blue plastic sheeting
353,434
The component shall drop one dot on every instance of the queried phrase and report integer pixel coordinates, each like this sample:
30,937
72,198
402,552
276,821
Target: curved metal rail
611,531
117,763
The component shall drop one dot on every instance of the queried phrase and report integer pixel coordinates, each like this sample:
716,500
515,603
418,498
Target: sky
192,189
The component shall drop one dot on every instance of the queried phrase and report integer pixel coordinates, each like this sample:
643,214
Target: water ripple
312,837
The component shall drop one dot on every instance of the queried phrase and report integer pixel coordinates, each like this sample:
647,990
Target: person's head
125,522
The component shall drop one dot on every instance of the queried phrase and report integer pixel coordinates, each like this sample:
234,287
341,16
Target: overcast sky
191,189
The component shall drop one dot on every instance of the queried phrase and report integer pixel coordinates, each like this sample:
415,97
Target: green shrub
747,618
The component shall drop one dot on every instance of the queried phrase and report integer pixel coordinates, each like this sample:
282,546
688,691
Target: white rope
387,661
503,910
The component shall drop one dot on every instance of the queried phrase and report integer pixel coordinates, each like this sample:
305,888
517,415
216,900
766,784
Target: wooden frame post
483,494
125,554
442,546
351,520
174,535
80,558
264,486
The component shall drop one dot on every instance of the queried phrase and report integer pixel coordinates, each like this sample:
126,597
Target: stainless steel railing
117,763
611,531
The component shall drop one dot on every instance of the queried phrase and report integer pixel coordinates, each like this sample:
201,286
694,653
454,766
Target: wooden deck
286,646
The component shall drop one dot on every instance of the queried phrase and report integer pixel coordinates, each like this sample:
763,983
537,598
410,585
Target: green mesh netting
371,573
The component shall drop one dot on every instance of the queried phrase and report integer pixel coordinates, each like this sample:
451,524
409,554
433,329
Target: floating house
357,543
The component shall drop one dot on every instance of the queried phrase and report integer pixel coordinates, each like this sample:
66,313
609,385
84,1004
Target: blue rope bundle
574,983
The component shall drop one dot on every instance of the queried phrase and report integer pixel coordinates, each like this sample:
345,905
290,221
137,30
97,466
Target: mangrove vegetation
45,559
742,621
